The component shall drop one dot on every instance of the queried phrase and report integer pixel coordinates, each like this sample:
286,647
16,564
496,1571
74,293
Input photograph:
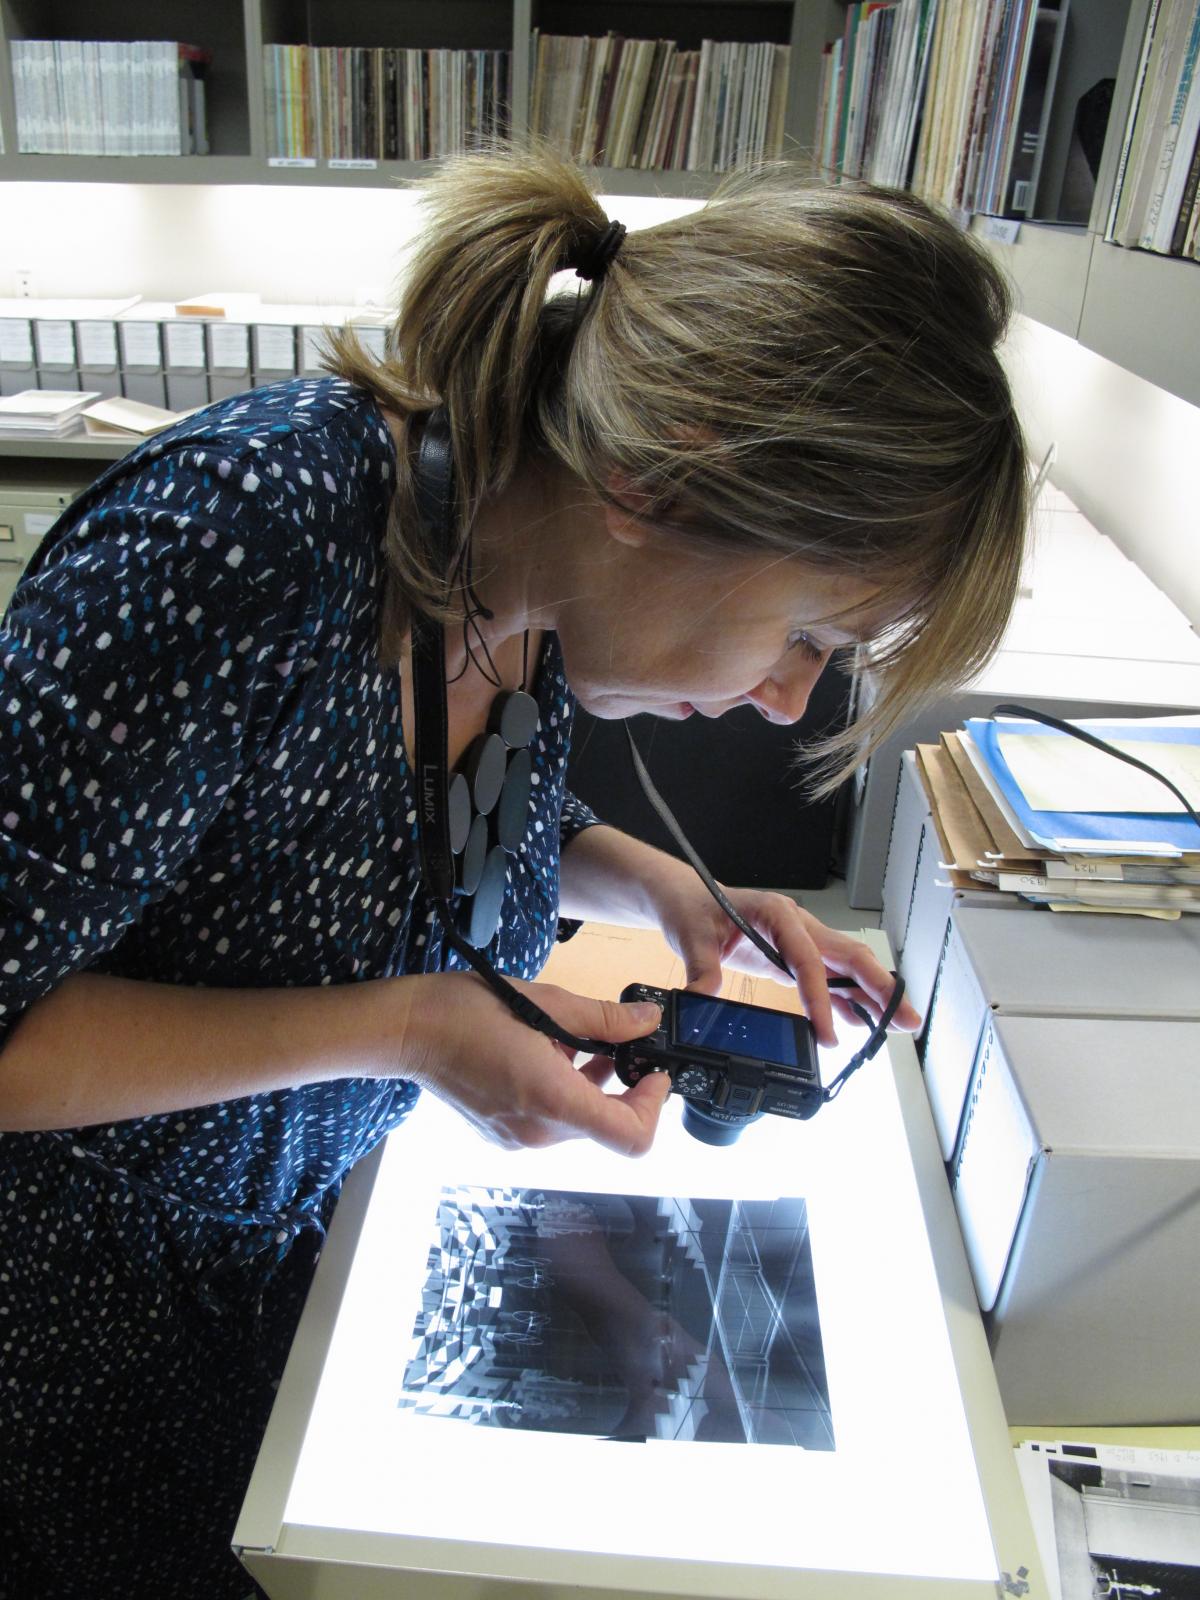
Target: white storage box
1077,1182
1043,964
916,893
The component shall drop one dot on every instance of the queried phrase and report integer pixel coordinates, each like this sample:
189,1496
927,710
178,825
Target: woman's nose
784,696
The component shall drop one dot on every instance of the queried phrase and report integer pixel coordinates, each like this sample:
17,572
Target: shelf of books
1066,135
304,91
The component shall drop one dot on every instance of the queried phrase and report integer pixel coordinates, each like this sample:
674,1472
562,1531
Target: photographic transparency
621,1317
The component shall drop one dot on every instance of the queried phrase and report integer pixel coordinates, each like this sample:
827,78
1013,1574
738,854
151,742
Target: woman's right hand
513,1084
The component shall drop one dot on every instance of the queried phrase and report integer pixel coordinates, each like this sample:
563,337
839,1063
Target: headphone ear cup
433,479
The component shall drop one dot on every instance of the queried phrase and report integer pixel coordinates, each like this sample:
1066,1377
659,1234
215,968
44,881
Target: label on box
230,344
143,344
16,341
185,344
351,164
97,344
291,161
39,522
276,348
314,348
55,342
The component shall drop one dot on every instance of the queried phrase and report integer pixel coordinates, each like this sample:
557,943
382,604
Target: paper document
1067,775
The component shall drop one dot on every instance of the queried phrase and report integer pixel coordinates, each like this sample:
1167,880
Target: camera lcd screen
735,1028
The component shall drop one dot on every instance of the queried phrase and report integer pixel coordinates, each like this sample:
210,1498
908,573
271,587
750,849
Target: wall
1127,452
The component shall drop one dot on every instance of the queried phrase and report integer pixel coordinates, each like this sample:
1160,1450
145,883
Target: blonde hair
793,369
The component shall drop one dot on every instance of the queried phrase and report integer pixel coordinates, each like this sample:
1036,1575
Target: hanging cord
1013,709
879,1029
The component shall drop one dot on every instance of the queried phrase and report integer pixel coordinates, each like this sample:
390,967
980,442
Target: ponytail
471,334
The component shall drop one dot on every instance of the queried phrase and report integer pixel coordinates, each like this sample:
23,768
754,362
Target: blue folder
1105,832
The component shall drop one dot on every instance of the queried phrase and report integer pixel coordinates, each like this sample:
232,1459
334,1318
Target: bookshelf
1137,309
238,31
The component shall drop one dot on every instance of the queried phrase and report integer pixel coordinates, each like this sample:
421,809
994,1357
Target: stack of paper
48,412
1022,809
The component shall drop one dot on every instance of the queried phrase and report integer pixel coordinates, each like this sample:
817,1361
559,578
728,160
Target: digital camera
731,1062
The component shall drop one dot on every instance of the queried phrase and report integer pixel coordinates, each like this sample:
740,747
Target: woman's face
672,631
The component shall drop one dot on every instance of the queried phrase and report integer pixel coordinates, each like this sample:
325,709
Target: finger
597,1070
852,959
612,1020
702,966
801,954
624,1122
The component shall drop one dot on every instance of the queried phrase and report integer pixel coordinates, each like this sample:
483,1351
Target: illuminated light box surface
883,1480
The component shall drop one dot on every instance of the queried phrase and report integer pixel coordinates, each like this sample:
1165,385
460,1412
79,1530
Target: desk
355,1493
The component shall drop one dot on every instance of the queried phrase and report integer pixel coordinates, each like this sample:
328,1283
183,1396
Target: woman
763,433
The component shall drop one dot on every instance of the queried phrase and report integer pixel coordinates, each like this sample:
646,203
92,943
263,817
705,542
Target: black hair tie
597,260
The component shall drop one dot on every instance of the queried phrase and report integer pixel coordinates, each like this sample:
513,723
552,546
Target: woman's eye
806,647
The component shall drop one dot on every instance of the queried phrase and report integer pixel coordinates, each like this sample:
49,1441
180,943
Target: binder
185,363
227,347
18,370
370,325
273,344
99,359
140,341
55,352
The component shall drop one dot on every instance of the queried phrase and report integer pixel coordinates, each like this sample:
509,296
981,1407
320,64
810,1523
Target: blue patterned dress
204,782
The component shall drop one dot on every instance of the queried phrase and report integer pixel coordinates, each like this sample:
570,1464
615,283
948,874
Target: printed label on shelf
351,164
291,161
97,344
16,341
143,344
1004,230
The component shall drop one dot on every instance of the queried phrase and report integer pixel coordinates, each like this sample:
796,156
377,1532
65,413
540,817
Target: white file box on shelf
18,369
917,895
1043,964
273,344
99,356
186,363
140,341
227,353
1077,1184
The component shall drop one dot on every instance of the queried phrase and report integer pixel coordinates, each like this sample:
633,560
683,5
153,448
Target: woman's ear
626,513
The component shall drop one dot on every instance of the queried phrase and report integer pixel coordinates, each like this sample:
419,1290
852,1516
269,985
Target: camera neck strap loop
879,1029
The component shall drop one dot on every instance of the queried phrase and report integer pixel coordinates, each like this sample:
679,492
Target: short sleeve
575,817
143,662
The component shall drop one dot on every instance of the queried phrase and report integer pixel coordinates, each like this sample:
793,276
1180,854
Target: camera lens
710,1129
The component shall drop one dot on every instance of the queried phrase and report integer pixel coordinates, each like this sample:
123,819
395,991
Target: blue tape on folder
1097,828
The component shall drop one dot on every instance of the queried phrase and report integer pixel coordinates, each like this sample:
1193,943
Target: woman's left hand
707,941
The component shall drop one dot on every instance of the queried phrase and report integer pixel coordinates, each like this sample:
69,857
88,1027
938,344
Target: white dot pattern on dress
205,782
